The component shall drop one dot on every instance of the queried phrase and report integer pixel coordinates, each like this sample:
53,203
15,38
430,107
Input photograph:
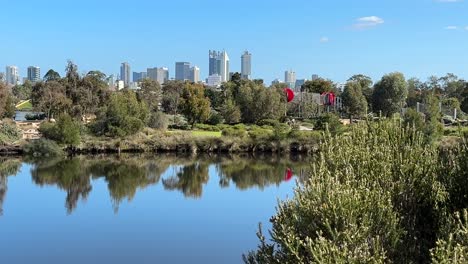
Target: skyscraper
12,75
161,75
125,73
139,76
34,74
246,66
214,63
290,78
224,67
182,71
195,74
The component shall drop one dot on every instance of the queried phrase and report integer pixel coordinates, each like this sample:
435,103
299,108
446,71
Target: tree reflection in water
126,174
8,167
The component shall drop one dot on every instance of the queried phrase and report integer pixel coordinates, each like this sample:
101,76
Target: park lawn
199,133
25,106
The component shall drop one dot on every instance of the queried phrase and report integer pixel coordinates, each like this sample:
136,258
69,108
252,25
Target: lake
138,208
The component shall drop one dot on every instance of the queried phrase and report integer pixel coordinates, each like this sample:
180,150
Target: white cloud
368,22
324,39
451,28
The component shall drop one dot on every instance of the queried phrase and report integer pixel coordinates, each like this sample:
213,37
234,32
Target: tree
150,93
51,75
50,98
390,94
23,91
66,131
354,100
366,87
434,127
125,115
172,91
194,105
318,86
230,112
6,102
415,92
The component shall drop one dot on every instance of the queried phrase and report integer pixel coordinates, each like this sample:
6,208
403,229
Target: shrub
453,246
42,148
215,118
33,117
268,122
9,133
66,131
260,134
233,132
328,120
158,120
207,127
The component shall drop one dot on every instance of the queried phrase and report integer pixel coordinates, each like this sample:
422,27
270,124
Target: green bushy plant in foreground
375,195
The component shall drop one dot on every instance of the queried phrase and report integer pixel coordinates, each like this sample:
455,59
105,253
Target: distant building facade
276,81
246,66
290,78
139,76
315,77
182,71
214,80
219,64
195,74
12,75
34,74
125,73
299,84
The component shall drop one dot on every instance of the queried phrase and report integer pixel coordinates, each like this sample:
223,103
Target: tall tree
50,97
150,93
194,105
51,75
354,100
22,91
390,94
366,87
319,86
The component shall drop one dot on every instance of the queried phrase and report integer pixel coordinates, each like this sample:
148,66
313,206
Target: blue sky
332,38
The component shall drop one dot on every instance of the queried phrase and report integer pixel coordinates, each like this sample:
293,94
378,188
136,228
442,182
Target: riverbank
185,142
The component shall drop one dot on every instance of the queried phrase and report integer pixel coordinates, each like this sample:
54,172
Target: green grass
25,106
198,133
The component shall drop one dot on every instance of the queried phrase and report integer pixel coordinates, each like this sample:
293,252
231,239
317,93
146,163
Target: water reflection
127,174
8,167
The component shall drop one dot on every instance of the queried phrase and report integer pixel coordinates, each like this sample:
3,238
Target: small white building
214,80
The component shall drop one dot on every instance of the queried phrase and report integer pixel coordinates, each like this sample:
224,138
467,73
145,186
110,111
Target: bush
158,120
260,134
328,120
374,196
207,127
453,247
43,148
9,133
215,118
268,122
233,132
66,131
33,117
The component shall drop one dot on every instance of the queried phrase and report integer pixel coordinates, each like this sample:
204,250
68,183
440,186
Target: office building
219,64
195,74
315,77
299,84
276,81
214,63
125,73
214,80
246,66
139,76
290,78
34,74
182,71
162,75
12,75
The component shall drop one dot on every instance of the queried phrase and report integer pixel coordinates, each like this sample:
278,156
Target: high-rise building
246,66
276,81
195,74
162,75
152,73
290,78
139,76
214,80
12,75
299,84
125,73
219,64
315,77
214,63
34,74
182,71
224,67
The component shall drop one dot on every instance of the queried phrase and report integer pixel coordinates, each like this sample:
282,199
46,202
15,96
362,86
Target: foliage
22,91
330,122
6,102
231,112
354,100
207,127
414,119
150,93
158,120
434,127
9,133
42,148
233,132
319,86
50,97
366,201
66,131
194,105
390,94
215,118
124,115
453,246
51,75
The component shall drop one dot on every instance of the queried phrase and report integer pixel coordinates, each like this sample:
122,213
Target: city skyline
334,39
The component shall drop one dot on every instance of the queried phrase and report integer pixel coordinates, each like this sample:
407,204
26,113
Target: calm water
139,209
